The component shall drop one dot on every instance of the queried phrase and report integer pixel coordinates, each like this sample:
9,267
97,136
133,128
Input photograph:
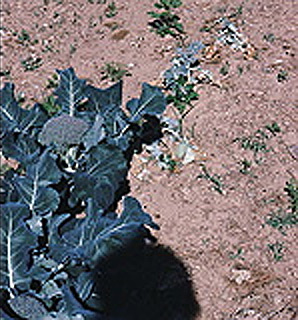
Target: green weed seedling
50,106
269,37
257,142
237,255
31,63
24,38
114,71
111,10
245,166
215,179
292,190
5,73
166,22
52,82
282,76
168,163
182,95
97,1
277,250
224,70
3,168
284,219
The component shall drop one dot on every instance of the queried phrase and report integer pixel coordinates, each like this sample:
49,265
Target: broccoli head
63,131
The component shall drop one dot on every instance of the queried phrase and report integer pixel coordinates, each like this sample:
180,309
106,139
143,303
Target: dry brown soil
205,229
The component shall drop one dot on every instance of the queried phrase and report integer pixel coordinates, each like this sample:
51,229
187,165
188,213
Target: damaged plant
58,219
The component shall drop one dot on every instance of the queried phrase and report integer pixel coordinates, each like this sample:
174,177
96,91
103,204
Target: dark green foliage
182,94
50,106
31,63
284,219
292,191
71,161
111,10
166,22
179,80
277,249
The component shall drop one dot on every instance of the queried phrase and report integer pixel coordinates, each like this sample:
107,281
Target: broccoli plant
58,219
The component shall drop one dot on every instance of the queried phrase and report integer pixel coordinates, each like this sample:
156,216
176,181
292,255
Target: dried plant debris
229,35
186,64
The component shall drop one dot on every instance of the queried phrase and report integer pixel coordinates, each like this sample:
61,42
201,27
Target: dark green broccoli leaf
105,168
20,147
16,242
95,134
70,91
96,237
100,99
151,102
34,189
13,117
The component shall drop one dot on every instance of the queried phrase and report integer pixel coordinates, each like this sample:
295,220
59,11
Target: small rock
240,276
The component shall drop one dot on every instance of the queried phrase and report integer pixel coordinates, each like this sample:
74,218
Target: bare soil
222,239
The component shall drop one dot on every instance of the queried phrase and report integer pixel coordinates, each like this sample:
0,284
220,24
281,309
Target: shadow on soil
150,283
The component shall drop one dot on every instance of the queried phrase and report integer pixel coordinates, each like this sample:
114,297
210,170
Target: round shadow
146,283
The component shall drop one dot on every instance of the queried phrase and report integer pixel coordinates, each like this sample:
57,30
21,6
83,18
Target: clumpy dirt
222,238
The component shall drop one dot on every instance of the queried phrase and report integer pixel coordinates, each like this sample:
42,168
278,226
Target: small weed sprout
111,10
282,76
237,255
245,166
114,71
215,179
257,142
31,63
277,250
50,106
224,70
284,219
52,82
